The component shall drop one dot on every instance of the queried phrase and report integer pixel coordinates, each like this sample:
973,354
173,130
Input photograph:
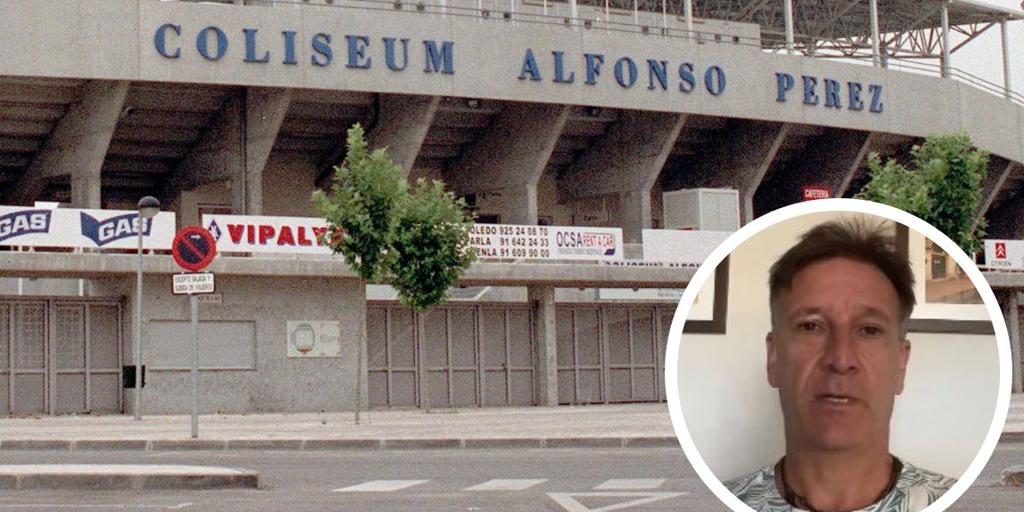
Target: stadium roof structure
842,28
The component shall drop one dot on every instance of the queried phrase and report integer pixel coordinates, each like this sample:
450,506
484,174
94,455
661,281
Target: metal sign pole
194,304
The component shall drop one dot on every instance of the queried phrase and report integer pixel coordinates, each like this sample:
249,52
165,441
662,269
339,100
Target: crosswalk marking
381,486
570,503
508,484
630,484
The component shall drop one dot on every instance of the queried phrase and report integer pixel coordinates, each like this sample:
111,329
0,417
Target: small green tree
944,188
416,241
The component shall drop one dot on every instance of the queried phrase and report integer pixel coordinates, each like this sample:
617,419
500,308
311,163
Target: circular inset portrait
854,358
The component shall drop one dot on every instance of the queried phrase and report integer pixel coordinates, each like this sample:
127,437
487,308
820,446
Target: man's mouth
836,399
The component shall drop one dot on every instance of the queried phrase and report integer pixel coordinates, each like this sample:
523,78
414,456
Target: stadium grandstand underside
583,114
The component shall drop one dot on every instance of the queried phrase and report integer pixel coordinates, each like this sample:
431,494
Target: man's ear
772,366
904,359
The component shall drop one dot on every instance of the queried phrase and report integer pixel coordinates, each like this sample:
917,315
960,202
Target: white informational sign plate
76,228
307,338
250,233
1004,254
681,247
508,241
193,283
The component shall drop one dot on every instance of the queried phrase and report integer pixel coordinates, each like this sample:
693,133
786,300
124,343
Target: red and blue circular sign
193,248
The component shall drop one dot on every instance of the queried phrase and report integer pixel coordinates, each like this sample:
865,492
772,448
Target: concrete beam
828,161
402,125
628,162
851,172
77,146
219,155
570,275
511,156
235,148
993,184
739,160
265,110
542,299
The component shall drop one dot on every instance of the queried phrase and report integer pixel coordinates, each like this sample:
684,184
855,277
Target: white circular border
708,268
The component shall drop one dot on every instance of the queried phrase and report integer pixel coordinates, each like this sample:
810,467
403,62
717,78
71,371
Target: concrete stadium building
577,113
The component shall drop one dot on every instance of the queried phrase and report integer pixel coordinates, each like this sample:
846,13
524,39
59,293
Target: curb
31,477
154,445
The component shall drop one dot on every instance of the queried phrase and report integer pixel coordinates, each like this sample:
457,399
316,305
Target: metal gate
613,353
60,356
474,355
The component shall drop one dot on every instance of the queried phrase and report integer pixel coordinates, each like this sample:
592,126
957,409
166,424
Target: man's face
837,355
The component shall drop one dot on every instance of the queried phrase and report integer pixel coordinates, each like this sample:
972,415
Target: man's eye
809,326
871,330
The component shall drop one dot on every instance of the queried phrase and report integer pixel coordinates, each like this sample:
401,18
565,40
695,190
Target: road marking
630,484
569,503
381,486
511,484
111,506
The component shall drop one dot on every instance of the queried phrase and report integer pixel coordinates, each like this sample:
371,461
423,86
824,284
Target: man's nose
841,352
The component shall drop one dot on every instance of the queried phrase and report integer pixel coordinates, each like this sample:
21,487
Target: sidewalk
526,427
538,427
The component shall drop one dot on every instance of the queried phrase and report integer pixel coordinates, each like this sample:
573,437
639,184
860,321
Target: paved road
555,480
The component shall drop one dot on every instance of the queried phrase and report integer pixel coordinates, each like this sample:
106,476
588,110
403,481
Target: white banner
690,248
508,241
75,228
250,233
1004,254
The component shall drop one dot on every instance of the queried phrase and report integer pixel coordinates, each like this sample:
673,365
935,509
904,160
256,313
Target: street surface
557,480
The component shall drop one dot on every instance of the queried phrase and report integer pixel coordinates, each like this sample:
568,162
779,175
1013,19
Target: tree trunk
421,330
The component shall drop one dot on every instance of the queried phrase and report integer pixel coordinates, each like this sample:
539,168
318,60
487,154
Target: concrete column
1005,36
688,15
855,165
542,299
219,155
788,16
876,54
510,157
827,161
994,182
945,39
402,125
1010,301
739,159
77,146
265,110
628,162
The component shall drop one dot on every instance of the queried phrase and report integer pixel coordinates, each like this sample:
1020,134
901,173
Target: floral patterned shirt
915,489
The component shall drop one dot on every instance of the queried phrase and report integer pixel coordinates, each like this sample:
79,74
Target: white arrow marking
568,500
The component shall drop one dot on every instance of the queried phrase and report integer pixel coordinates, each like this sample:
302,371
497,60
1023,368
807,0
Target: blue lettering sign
439,60
560,77
289,47
250,47
322,48
622,67
160,40
357,52
594,62
202,42
784,83
832,94
688,82
657,70
714,80
24,222
856,103
529,67
877,106
103,232
810,95
389,54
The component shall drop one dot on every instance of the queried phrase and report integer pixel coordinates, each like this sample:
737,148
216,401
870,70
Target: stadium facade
539,113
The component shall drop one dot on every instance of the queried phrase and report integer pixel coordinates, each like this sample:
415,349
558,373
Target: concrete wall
733,414
100,39
276,382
